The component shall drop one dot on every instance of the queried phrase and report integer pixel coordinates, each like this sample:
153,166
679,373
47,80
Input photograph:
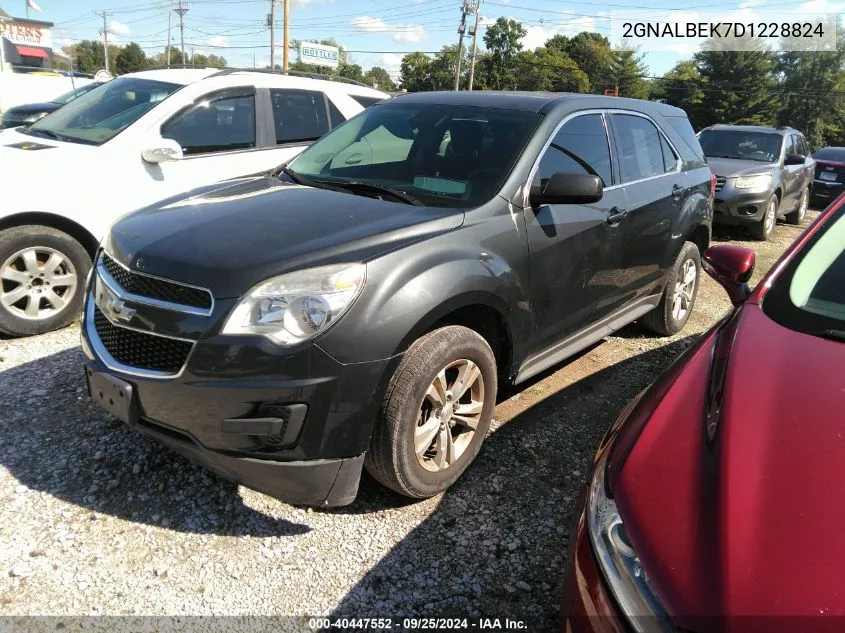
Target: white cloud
400,32
537,36
218,41
119,28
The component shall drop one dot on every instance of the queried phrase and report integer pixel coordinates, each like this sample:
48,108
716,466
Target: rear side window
300,115
670,159
367,101
579,147
790,144
683,128
639,146
222,122
335,115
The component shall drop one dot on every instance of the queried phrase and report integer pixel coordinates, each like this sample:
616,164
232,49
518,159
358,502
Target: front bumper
213,410
731,206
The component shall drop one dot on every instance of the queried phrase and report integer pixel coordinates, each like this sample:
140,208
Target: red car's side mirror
732,267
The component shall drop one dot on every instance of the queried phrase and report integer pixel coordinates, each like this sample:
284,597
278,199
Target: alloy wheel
802,207
684,290
449,415
769,220
37,282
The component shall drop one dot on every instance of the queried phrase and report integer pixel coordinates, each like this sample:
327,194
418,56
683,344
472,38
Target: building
32,40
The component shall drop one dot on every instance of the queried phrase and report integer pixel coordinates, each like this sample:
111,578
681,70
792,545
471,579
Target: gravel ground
98,520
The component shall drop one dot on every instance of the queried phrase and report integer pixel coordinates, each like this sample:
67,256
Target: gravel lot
97,519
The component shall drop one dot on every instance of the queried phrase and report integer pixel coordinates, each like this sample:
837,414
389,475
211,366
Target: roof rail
292,73
181,66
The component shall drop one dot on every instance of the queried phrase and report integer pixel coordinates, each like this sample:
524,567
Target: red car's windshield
809,296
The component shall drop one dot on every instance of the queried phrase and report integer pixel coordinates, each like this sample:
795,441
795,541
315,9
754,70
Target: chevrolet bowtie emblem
112,306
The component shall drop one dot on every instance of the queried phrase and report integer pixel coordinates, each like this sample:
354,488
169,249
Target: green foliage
591,52
503,41
130,60
88,56
380,78
415,72
629,74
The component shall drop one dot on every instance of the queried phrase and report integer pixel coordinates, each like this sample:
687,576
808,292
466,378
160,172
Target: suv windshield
809,296
760,146
441,155
105,111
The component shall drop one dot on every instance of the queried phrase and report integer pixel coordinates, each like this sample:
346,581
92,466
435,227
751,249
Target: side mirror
732,267
162,150
794,159
566,188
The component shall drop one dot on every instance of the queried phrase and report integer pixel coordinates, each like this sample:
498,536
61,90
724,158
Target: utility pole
181,11
286,51
105,15
169,23
474,33
271,22
462,28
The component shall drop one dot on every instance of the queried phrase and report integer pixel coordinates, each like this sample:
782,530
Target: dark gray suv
360,306
762,174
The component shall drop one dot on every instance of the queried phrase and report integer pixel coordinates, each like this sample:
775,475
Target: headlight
32,118
760,181
292,308
619,562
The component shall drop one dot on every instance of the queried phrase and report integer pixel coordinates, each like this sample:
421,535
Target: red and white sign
27,34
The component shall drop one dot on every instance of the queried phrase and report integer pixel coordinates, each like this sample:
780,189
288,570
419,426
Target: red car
716,499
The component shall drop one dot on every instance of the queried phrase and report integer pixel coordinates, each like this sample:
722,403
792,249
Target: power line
105,15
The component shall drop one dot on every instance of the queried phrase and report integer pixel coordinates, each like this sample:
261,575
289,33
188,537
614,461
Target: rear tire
678,300
42,279
419,448
797,216
763,229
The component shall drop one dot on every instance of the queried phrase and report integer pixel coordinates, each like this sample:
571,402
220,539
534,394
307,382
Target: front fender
406,295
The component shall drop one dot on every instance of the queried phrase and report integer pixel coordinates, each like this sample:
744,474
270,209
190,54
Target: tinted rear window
367,101
682,126
836,154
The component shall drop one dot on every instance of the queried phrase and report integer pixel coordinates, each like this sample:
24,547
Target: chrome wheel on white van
42,271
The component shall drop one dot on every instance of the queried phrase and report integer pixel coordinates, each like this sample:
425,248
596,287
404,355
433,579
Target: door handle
678,191
616,216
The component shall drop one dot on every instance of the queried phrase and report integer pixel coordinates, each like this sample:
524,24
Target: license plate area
114,395
829,176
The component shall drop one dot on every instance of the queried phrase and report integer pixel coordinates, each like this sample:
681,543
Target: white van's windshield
104,112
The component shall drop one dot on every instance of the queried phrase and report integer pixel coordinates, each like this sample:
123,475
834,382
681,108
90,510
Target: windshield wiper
293,175
45,133
833,334
355,185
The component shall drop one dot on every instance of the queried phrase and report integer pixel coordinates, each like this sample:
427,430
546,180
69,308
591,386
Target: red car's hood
750,523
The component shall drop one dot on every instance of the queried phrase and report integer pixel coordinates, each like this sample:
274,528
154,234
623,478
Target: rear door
641,246
565,241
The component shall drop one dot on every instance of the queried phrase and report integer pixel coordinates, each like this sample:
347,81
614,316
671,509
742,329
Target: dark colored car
762,174
713,504
32,112
829,179
362,307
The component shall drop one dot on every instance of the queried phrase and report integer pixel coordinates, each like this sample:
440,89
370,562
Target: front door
565,241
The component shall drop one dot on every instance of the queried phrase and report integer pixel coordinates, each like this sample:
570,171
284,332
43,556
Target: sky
376,32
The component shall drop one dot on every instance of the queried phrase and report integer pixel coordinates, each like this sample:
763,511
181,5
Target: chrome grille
137,349
154,288
720,182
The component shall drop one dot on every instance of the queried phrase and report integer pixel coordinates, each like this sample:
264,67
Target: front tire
763,229
797,216
676,304
435,414
42,278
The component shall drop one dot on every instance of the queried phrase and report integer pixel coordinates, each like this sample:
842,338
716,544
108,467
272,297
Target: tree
682,87
161,58
503,42
351,71
629,74
380,78
741,86
210,61
443,67
88,57
130,60
415,72
591,52
550,69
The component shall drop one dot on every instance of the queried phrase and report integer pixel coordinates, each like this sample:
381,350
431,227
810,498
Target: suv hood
30,108
750,523
731,167
229,237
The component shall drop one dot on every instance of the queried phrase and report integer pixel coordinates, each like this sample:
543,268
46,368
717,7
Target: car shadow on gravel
495,546
53,439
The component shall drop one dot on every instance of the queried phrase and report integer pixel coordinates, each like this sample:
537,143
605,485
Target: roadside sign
319,54
102,75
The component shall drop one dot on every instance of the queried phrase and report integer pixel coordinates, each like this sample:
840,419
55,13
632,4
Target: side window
579,147
670,159
805,148
790,144
335,116
220,123
639,147
300,115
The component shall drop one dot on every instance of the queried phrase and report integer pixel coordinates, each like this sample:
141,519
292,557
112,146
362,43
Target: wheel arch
58,222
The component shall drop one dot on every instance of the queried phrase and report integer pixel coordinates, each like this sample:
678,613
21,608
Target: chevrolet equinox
360,305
